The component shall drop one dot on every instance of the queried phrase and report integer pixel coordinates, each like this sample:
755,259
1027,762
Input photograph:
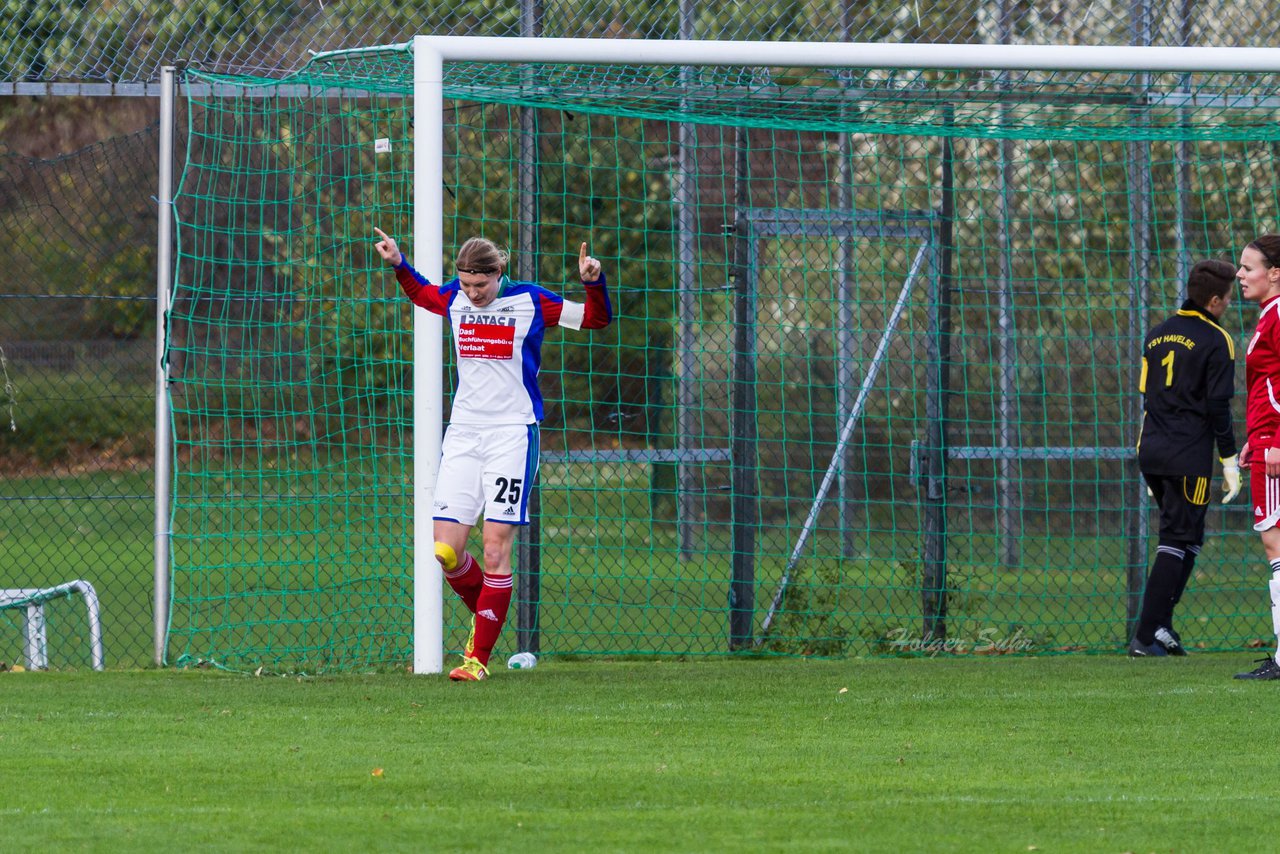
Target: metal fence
76,204
118,48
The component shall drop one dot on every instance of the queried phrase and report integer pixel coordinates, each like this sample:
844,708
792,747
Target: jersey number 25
508,490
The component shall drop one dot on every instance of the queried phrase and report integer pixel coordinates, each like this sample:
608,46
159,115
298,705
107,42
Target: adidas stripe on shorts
1263,491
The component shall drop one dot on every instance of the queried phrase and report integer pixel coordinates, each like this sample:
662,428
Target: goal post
305,456
428,364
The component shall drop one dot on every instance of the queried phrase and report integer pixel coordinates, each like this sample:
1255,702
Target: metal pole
529,557
845,312
1007,523
743,432
933,588
1135,511
164,437
684,194
1139,177
1182,166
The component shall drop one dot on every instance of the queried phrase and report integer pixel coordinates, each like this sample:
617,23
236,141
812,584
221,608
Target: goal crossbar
566,51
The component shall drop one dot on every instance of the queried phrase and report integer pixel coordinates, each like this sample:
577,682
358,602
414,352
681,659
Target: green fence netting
871,386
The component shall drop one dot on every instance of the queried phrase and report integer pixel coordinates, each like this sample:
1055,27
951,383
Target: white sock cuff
465,564
498,581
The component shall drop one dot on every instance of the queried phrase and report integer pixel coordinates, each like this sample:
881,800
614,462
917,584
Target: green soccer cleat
469,648
471,670
1268,669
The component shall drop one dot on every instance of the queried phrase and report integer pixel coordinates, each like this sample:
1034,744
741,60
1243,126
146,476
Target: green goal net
870,389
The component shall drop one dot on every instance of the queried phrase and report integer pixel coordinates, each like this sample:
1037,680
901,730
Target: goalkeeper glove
1230,478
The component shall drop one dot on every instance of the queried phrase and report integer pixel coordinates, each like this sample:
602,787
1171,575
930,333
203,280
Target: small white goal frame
33,599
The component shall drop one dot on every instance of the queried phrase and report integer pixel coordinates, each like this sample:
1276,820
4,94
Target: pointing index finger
381,233
582,254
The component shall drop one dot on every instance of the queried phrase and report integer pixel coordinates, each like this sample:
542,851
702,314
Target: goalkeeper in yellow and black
1188,378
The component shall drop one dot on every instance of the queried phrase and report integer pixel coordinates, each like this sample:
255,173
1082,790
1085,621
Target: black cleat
1268,669
1170,640
1138,649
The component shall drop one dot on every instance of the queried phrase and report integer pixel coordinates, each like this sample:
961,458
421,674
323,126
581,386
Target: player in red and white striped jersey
1259,276
490,451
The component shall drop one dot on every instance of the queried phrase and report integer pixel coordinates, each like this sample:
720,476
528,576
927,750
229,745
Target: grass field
934,754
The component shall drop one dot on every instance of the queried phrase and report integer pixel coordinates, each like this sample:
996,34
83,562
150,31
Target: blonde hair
481,255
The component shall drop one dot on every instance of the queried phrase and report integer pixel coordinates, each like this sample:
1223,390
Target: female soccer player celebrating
490,451
1259,276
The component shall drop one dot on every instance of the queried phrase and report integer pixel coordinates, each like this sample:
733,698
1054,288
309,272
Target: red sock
466,580
491,613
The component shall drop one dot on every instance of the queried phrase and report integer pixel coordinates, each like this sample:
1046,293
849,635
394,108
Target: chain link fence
120,47
77,307
77,344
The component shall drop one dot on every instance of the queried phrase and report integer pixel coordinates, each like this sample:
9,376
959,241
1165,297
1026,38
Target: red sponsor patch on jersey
486,341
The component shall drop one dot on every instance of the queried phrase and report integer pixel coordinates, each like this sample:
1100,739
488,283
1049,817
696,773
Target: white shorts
486,469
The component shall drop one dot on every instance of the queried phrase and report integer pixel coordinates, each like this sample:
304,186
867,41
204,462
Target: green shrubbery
58,417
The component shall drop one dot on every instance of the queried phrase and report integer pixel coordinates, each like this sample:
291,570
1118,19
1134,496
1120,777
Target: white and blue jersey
499,345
